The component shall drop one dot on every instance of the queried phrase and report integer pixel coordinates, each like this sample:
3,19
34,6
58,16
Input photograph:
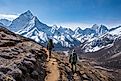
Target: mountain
95,30
100,29
32,28
5,22
101,41
63,30
103,29
108,56
90,39
36,30
1,24
21,21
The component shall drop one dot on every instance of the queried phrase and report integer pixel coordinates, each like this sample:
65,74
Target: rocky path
60,70
52,68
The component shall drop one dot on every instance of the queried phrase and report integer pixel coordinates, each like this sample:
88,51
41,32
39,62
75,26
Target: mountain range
89,39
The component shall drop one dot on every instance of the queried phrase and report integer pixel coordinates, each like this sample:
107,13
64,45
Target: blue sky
68,13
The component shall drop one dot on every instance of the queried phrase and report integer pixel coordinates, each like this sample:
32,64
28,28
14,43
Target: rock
33,51
16,73
29,55
34,75
32,59
4,69
42,56
1,76
6,55
5,44
29,65
4,77
22,68
6,50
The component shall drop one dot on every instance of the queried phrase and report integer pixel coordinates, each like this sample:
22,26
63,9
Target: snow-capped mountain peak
21,21
78,30
28,13
55,26
100,29
92,38
103,29
95,27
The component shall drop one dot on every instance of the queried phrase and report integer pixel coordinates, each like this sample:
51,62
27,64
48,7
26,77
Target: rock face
21,59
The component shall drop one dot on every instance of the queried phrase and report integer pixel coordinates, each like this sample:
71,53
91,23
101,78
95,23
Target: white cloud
8,16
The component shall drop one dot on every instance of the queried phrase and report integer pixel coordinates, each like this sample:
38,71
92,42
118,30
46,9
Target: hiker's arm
70,58
47,46
52,44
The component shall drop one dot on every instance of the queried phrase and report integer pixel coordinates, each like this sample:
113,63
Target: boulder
32,59
4,69
35,75
29,65
22,68
16,73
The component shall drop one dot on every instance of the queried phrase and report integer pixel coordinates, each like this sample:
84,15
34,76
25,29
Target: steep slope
1,24
21,59
21,21
5,22
100,29
35,30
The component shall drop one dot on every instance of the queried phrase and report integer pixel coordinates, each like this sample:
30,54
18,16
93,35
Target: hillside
22,59
108,57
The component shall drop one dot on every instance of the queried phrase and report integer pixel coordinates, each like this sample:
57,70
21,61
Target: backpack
73,58
50,44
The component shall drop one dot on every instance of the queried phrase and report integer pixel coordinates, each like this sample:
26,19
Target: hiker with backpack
73,60
50,46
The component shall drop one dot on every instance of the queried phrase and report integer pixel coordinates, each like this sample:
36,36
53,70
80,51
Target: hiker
73,60
50,46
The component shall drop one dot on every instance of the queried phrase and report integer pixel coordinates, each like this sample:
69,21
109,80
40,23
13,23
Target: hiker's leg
75,67
49,53
72,67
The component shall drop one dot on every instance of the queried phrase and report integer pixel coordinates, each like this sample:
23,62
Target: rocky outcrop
21,59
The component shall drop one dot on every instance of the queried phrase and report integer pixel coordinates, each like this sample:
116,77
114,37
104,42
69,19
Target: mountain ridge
27,24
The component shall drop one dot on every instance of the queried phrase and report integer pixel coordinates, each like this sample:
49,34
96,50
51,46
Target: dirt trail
59,69
52,67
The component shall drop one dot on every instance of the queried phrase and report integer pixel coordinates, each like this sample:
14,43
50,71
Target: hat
73,51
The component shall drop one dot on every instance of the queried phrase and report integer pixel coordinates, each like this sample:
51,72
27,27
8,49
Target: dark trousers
73,67
49,53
